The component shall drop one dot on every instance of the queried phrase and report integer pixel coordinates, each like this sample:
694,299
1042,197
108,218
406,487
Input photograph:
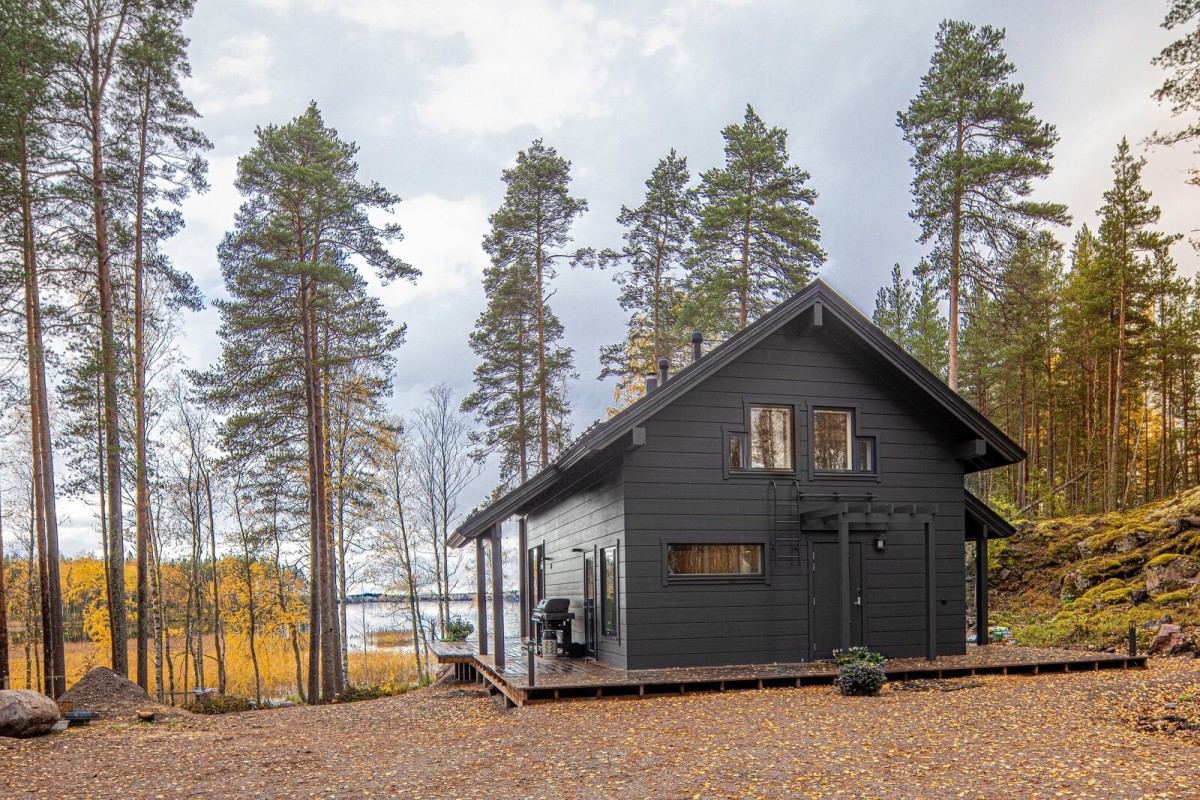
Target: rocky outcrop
1170,573
26,713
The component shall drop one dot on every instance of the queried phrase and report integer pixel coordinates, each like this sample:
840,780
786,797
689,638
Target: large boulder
1171,572
26,713
1170,641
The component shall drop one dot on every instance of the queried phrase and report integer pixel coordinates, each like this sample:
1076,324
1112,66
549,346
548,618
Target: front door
825,620
589,604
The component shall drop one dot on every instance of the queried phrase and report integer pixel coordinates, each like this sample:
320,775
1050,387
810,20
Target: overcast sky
440,96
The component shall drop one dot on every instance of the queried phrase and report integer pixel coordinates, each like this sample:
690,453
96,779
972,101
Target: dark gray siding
676,487
587,514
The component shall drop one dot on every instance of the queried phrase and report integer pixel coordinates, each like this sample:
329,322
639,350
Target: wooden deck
567,678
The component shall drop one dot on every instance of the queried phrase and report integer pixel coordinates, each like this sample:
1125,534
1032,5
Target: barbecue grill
552,614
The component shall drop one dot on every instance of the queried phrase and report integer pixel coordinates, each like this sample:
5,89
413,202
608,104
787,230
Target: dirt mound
102,688
114,696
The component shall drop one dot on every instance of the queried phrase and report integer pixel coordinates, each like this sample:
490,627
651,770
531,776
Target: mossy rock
1116,597
1171,572
1095,571
1163,560
1177,596
1116,541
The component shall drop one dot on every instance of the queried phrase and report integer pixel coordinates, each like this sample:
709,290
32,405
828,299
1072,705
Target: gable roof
993,449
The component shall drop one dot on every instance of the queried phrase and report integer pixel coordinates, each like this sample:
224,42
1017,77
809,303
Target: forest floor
1118,734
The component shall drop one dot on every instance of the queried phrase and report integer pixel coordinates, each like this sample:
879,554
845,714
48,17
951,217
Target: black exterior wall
677,488
659,473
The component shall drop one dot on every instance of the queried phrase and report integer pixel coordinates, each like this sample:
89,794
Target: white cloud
529,62
661,37
238,78
442,238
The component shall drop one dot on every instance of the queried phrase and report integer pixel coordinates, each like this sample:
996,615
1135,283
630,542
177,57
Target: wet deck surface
560,678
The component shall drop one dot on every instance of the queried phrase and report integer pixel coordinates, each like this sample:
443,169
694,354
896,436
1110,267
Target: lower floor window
608,589
714,559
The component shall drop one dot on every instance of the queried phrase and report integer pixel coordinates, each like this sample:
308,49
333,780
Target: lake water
372,617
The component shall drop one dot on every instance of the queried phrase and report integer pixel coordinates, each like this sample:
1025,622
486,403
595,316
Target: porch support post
497,597
481,596
931,592
981,588
523,575
844,579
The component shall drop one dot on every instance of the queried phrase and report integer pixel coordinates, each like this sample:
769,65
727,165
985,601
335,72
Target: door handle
858,600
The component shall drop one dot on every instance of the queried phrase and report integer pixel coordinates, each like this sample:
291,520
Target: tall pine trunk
542,380
141,479
44,511
1114,432
331,662
118,626
316,563
955,266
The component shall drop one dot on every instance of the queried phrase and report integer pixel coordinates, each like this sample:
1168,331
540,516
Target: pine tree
1126,243
1028,321
165,166
1182,89
33,57
757,242
978,147
895,305
97,31
927,334
520,396
657,242
908,311
298,313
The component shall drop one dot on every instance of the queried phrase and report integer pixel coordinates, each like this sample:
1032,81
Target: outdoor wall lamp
880,541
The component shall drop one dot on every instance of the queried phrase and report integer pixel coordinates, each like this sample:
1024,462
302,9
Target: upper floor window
836,447
769,445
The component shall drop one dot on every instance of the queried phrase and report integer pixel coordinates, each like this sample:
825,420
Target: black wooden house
797,489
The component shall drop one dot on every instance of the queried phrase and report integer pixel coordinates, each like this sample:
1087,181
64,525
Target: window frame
743,431
857,433
536,578
602,570
715,537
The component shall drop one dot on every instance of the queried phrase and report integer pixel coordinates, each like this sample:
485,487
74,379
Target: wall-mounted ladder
785,521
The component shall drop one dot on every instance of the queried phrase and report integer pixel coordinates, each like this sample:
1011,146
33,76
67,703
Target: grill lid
553,605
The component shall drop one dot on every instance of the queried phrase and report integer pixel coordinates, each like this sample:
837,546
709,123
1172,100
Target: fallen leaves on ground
1044,736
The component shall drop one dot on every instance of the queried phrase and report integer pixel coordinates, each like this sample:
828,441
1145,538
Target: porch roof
983,518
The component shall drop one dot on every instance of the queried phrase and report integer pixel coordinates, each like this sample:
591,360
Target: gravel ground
1108,734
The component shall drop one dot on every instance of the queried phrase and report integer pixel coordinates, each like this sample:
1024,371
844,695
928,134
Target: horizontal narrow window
714,559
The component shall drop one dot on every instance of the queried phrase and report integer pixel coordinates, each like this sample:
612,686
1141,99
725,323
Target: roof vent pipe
697,345
651,382
664,371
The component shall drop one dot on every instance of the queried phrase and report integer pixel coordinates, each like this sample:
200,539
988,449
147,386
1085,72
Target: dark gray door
589,604
825,620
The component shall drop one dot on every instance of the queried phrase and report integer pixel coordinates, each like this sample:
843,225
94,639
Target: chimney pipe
664,371
651,382
697,345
